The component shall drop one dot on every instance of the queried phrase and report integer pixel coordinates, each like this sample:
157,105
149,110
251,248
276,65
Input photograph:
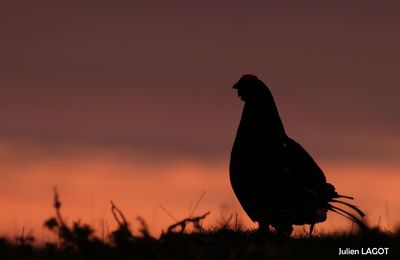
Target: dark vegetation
226,241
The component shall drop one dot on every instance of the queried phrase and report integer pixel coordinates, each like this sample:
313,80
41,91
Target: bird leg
263,227
284,231
312,228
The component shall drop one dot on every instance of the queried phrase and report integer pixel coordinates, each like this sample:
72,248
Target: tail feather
341,214
330,195
346,214
345,197
351,206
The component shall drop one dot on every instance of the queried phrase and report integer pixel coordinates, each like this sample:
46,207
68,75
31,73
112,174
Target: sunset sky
132,101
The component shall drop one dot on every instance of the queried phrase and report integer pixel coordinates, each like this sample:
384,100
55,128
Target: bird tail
350,211
345,212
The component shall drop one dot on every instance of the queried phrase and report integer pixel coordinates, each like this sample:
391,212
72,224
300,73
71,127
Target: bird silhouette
275,179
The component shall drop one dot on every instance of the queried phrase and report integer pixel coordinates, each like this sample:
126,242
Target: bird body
275,179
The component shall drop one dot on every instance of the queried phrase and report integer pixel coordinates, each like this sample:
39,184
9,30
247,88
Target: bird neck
263,117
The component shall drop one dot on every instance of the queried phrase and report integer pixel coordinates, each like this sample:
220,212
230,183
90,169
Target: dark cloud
156,78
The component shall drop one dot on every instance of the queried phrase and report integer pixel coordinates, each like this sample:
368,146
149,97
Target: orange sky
87,184
132,101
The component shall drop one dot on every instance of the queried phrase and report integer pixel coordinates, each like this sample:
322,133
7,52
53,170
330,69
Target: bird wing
311,180
302,167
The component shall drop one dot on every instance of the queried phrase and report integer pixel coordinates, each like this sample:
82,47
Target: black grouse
275,179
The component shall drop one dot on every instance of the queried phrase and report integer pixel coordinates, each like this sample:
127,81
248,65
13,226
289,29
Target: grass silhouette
227,240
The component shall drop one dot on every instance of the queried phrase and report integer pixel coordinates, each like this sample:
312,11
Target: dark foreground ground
227,241
214,244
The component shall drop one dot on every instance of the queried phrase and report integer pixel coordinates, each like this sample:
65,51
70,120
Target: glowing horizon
87,184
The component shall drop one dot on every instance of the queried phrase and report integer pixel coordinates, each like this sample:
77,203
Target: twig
21,238
183,223
197,203
144,229
167,212
57,206
118,215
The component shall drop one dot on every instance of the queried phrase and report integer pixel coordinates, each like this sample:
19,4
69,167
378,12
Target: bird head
249,87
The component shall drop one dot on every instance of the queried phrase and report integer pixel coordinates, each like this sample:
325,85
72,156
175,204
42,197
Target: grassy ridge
226,241
221,243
